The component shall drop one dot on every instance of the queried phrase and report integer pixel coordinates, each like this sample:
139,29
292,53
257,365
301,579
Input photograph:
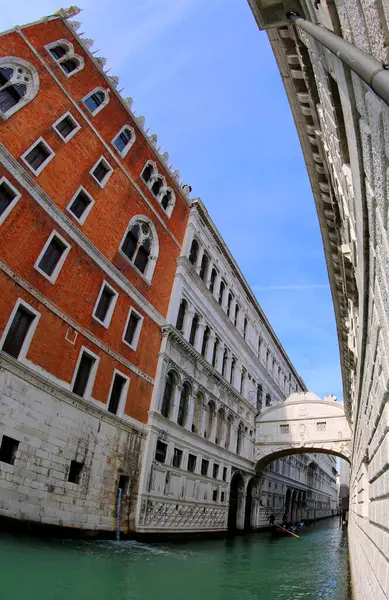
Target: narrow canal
249,567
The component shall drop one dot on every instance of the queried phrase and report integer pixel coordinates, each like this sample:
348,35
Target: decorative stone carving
153,139
88,43
141,121
102,61
72,11
114,79
75,25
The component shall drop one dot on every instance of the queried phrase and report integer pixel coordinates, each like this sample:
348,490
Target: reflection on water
245,568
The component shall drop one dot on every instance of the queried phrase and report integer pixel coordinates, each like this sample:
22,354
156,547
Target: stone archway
236,513
249,523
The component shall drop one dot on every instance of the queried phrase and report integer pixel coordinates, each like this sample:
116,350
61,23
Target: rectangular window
83,378
124,140
66,127
214,495
52,257
204,467
132,329
8,449
18,329
80,205
177,458
75,471
284,429
102,171
8,198
38,156
215,471
224,473
160,451
192,459
222,496
117,393
105,304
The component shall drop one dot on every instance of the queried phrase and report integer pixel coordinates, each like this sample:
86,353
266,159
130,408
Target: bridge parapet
303,423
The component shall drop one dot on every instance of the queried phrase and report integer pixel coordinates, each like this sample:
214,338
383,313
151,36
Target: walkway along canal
248,567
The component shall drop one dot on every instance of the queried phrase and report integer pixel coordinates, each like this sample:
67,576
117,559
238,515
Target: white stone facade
344,132
215,374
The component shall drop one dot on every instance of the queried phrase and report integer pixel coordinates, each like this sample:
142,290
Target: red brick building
91,224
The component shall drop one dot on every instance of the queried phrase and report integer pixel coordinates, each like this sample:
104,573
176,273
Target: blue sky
206,81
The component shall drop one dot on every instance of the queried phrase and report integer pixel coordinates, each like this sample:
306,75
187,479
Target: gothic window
157,186
228,431
268,400
96,100
221,292
148,172
139,245
183,406
239,439
198,412
245,328
259,397
193,329
232,374
63,54
167,201
224,364
236,314
259,347
212,281
207,333
194,252
168,394
19,83
219,426
204,267
210,419
215,349
229,304
124,140
181,314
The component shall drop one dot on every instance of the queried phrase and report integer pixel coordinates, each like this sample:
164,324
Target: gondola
279,531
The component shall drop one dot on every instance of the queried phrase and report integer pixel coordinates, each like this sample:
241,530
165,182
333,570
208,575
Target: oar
287,531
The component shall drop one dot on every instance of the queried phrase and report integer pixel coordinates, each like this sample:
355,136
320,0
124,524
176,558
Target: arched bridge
303,423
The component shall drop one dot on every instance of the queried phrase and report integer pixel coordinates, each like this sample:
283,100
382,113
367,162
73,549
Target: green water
245,568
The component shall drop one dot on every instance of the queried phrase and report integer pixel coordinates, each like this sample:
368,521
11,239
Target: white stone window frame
105,180
68,56
45,162
53,277
14,62
72,133
123,395
102,105
91,380
30,334
129,145
86,212
148,275
171,204
107,321
135,341
12,205
149,184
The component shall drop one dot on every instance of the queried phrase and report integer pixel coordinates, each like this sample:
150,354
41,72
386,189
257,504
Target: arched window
232,375
221,292
207,333
167,200
168,394
96,100
259,397
229,302
62,52
157,186
194,252
139,245
181,314
193,329
228,431
259,347
219,426
236,314
244,328
124,140
268,400
183,406
148,172
212,281
19,84
224,364
210,419
198,412
215,349
204,267
239,439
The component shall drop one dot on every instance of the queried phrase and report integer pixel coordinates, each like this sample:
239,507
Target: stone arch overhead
247,480
303,423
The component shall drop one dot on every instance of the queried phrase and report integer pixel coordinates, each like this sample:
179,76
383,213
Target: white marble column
177,398
203,420
228,367
211,344
188,322
189,418
213,428
237,374
199,335
219,357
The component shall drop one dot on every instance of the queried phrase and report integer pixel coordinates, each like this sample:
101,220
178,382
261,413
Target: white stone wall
53,428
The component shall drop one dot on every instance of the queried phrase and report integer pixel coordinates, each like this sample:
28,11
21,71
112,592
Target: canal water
248,567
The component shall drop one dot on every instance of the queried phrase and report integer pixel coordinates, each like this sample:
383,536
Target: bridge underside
303,423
